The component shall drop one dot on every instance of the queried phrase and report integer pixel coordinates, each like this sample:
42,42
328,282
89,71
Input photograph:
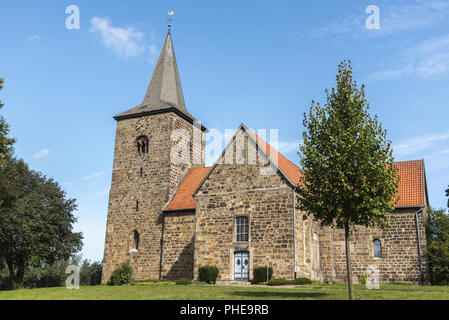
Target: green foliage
151,282
437,234
301,281
447,195
348,166
183,281
260,274
208,274
278,282
36,221
6,143
121,275
46,275
54,275
90,273
349,176
364,279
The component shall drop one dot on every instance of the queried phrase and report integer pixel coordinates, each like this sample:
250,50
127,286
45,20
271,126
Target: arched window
241,229
136,240
142,144
377,248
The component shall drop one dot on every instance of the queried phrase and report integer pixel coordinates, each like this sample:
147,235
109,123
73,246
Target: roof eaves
182,114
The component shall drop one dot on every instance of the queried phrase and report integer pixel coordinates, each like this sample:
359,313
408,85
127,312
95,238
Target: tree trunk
12,274
19,276
16,277
348,262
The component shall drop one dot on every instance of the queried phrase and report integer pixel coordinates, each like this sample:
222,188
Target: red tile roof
290,169
410,193
183,198
412,184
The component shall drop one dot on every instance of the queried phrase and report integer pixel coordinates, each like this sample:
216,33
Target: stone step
233,282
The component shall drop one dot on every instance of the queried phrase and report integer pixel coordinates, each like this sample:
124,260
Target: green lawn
211,292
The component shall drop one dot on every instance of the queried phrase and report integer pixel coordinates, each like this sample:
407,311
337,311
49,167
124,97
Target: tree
349,176
5,142
6,145
36,221
437,234
447,195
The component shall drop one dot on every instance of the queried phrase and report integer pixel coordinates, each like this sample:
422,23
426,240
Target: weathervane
170,19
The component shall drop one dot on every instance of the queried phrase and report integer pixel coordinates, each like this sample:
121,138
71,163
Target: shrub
121,275
183,281
278,282
90,273
208,274
46,275
260,274
6,283
301,281
364,279
437,234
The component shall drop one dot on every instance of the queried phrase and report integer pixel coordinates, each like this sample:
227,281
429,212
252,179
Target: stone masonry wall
178,245
149,192
234,190
304,230
400,260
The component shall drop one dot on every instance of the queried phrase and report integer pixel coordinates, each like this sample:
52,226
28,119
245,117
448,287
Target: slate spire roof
164,92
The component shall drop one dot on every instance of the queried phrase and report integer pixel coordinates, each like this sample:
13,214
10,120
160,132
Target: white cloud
287,147
125,42
428,58
34,37
94,175
44,153
419,144
403,16
413,15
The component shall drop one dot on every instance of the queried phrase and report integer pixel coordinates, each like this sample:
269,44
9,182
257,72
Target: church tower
148,165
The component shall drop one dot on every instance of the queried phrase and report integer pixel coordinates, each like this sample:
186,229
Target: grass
169,291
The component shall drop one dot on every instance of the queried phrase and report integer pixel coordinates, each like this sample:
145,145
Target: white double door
241,265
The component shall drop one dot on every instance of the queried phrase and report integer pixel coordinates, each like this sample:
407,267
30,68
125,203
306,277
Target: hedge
121,275
260,274
208,273
278,282
301,281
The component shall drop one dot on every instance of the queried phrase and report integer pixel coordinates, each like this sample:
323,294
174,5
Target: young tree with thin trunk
349,176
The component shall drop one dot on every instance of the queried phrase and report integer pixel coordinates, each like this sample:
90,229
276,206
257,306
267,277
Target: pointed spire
164,90
165,86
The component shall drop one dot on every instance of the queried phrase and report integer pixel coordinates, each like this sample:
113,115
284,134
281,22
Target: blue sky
260,63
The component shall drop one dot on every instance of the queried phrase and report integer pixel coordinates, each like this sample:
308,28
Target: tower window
142,145
377,248
137,205
136,240
141,172
241,229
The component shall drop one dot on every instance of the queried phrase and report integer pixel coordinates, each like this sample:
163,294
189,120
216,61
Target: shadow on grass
279,294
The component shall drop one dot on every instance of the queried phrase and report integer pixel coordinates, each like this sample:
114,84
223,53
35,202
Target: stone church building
170,217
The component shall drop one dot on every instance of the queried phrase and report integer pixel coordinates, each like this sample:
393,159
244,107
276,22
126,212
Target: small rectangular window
242,229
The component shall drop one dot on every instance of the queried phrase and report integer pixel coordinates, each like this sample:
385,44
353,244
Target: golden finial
170,19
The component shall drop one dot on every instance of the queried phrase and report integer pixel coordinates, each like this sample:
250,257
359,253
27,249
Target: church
167,218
